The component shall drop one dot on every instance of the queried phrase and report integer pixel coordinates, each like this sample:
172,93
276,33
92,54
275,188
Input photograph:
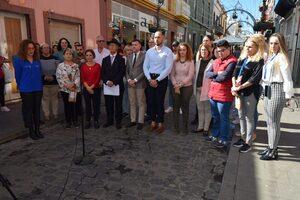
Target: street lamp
153,29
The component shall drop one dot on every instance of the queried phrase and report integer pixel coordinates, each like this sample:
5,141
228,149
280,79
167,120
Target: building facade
130,19
200,21
219,19
48,21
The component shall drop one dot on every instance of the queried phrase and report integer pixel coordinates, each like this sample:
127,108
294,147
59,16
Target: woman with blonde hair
245,81
278,87
182,75
201,88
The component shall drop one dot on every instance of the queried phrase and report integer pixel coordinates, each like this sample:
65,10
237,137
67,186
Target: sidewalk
246,177
12,125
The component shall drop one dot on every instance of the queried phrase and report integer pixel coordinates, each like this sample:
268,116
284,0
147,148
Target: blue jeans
221,123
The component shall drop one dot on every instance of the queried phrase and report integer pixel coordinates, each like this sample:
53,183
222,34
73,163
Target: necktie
112,59
134,60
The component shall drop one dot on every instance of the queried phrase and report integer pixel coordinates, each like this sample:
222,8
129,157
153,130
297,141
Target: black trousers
92,104
156,100
31,108
113,106
71,108
2,85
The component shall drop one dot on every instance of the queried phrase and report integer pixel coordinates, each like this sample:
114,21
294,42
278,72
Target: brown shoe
153,126
160,128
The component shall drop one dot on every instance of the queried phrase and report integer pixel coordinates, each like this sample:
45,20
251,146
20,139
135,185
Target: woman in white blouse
278,87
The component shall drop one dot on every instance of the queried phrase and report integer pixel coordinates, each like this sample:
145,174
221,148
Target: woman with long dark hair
29,80
62,45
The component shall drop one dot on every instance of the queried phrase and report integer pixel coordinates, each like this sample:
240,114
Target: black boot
38,132
32,134
87,125
264,151
272,154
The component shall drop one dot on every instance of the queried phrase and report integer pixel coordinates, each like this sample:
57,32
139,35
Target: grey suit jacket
136,71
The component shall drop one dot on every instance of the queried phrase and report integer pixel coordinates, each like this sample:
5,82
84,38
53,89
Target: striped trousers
273,108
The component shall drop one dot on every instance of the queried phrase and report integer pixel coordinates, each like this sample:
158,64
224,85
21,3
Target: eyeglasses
222,50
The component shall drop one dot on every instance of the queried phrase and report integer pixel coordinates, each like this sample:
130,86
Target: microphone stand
5,183
84,159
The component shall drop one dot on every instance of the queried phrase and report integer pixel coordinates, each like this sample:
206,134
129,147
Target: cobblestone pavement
129,165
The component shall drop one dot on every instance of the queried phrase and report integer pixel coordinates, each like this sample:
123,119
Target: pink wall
87,10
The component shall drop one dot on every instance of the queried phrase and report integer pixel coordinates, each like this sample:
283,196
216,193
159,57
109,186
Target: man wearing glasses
100,52
220,94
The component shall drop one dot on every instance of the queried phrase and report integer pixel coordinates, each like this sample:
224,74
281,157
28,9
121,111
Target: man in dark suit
136,84
113,71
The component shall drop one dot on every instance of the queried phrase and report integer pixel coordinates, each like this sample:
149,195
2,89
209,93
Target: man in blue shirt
157,66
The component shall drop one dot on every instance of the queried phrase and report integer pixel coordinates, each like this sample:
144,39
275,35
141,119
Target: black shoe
205,133
32,134
87,125
124,114
96,124
272,154
38,132
68,125
140,126
194,122
118,126
197,131
107,124
245,148
264,151
131,124
239,143
76,124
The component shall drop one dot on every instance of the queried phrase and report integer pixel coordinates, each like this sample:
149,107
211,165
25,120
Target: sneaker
220,144
210,139
245,148
5,109
168,110
239,143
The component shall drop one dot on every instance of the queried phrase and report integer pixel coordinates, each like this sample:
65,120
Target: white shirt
135,54
158,62
278,70
112,57
99,56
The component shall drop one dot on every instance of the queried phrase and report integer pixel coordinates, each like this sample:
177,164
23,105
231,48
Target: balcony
182,11
219,30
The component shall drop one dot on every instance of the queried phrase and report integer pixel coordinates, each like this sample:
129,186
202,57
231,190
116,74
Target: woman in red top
91,77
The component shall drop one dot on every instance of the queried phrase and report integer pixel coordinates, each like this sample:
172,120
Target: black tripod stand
84,159
5,183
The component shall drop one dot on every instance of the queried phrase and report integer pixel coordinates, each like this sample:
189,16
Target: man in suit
113,71
136,84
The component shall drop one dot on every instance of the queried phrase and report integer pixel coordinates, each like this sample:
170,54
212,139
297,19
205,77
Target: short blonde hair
126,48
259,41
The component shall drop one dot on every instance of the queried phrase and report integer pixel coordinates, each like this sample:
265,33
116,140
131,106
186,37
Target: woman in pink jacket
182,76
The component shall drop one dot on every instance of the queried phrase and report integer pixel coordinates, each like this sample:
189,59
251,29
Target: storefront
128,24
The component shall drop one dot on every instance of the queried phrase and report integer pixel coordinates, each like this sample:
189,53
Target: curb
227,191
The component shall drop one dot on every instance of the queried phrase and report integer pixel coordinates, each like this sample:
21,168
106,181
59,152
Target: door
13,35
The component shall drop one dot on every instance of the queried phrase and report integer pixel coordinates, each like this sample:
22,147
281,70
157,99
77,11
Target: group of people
217,79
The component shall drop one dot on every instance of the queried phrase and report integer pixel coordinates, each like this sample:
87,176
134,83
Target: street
129,165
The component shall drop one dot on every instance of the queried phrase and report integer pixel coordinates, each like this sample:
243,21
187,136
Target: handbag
72,97
8,73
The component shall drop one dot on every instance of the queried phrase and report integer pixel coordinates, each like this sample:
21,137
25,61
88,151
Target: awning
233,40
